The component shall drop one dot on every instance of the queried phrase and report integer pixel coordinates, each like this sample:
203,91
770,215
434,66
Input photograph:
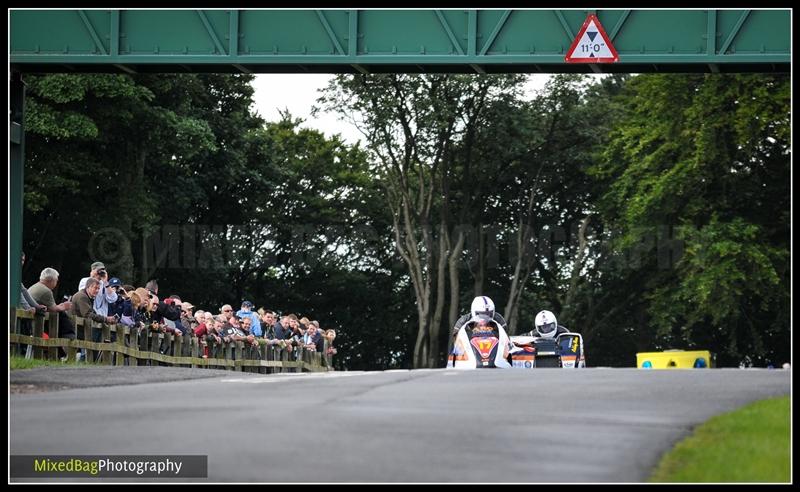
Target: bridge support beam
17,165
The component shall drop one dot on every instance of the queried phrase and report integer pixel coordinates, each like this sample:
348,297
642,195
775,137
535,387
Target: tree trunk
522,270
453,262
421,345
455,284
569,308
480,274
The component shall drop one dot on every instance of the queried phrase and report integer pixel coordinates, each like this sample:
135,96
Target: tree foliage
702,163
649,212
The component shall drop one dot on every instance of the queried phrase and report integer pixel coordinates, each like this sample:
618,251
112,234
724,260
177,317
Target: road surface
547,425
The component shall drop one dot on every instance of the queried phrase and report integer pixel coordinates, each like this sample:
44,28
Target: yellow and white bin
674,359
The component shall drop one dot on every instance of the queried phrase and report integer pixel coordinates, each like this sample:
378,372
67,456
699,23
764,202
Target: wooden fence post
120,356
13,324
194,350
38,330
72,350
105,355
52,331
133,340
87,337
229,354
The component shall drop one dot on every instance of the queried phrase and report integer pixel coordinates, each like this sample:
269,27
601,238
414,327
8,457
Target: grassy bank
750,444
19,362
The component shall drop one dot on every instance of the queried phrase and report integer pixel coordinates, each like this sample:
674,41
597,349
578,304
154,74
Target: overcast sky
298,92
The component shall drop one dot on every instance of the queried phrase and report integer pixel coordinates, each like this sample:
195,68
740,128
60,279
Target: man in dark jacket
83,307
83,303
283,328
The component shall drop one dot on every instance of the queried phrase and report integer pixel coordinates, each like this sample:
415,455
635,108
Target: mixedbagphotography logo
107,243
145,466
227,246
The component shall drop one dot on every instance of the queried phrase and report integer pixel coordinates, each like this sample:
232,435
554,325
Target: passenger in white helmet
481,306
546,326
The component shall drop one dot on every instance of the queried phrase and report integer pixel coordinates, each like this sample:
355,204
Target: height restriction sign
591,45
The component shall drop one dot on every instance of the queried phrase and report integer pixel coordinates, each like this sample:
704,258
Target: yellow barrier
674,359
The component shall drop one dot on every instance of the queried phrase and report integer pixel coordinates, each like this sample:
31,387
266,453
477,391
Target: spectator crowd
107,299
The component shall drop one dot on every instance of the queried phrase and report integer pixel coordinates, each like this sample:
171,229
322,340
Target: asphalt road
547,425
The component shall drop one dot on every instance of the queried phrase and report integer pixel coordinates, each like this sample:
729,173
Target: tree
550,200
90,139
413,125
697,177
182,182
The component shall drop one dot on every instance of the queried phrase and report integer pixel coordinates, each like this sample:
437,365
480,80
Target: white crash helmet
546,324
482,306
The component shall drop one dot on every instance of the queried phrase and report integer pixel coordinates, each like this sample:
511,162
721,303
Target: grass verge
17,362
750,444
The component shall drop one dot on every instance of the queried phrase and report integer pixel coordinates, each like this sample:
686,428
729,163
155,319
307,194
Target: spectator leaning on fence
230,328
26,301
283,328
245,326
83,303
106,294
200,329
297,330
267,323
42,293
246,312
217,331
122,309
142,306
331,336
171,310
187,317
226,311
154,318
312,339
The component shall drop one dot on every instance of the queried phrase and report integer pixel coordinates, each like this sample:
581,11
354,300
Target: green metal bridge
372,41
392,40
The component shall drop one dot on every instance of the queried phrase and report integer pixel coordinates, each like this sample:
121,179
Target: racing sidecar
565,350
480,343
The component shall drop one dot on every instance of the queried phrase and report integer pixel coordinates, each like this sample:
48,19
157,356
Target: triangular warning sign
588,47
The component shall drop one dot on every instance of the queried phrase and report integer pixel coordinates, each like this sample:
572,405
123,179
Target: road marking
277,378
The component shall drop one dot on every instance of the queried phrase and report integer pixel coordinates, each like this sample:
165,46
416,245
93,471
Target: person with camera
141,307
124,309
107,295
118,307
83,303
171,309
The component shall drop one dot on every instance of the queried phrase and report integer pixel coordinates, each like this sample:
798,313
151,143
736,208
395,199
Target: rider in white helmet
481,305
547,326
